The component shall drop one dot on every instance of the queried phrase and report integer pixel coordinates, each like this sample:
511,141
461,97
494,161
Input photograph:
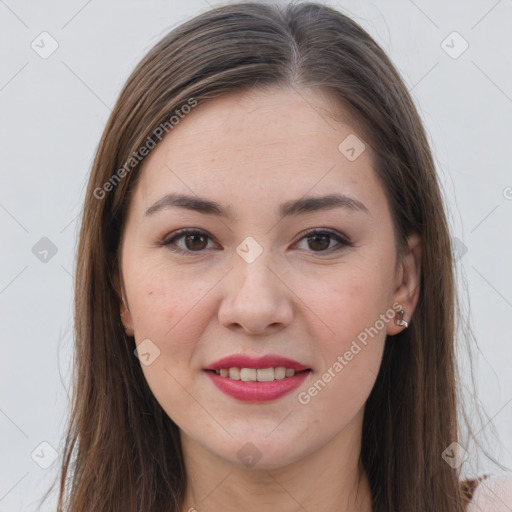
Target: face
255,276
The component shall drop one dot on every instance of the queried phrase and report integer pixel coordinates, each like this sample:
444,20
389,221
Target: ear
407,283
126,317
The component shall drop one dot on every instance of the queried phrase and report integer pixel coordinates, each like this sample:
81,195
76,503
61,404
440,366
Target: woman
265,308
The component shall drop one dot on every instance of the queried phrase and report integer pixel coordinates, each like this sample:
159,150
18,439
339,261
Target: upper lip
245,361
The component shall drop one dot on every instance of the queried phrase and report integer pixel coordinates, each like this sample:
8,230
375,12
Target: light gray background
53,112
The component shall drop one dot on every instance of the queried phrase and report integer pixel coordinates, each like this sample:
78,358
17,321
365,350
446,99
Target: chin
258,452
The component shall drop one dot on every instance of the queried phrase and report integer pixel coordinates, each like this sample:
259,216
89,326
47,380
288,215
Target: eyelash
343,242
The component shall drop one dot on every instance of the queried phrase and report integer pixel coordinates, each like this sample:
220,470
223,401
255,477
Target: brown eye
193,241
319,240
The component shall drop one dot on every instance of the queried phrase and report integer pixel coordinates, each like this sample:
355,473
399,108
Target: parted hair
122,452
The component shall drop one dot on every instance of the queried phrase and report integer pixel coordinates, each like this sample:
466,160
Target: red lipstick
254,391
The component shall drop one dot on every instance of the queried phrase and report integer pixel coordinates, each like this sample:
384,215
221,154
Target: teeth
234,373
256,374
265,375
248,374
279,373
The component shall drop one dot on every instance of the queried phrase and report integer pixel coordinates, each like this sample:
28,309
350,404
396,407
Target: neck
329,479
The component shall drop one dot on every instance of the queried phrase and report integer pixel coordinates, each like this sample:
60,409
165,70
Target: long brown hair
122,451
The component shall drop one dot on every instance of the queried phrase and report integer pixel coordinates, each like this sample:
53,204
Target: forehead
261,144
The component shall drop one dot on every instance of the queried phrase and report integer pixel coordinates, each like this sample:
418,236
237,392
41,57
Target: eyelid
342,239
180,233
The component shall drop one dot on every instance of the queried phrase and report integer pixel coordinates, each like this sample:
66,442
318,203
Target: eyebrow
294,207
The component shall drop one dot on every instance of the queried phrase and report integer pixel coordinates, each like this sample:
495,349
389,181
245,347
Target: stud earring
400,320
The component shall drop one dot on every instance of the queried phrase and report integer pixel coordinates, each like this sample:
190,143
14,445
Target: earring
400,320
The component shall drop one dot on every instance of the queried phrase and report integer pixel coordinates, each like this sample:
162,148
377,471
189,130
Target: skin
251,151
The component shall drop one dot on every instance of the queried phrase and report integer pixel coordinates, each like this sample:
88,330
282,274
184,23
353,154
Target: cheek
350,302
350,352
352,355
166,305
170,311
353,304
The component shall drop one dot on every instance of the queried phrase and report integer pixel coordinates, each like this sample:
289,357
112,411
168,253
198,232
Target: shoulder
492,494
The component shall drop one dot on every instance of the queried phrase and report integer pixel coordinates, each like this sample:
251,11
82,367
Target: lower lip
258,391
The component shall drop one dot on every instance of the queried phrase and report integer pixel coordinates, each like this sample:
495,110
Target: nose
256,298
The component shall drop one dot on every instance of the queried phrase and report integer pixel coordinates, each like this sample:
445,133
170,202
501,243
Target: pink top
492,494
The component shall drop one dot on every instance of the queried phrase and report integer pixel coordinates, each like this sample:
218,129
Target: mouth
257,379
